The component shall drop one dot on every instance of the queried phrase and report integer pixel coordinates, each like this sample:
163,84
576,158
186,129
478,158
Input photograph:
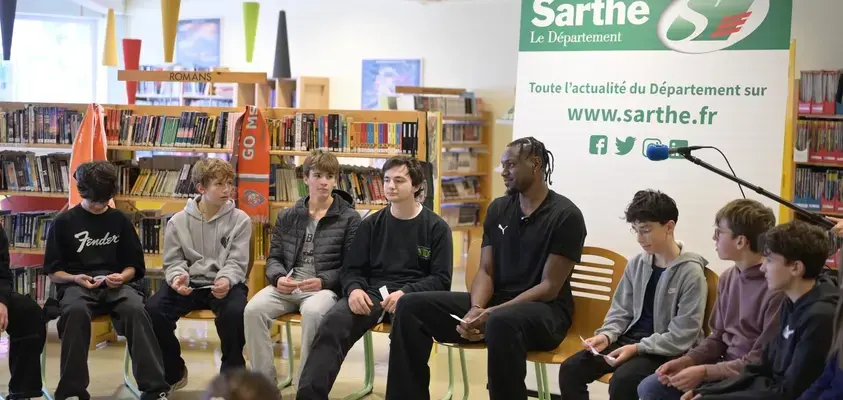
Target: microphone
660,152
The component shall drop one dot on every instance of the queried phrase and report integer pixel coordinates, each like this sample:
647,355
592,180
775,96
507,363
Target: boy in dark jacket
795,254
23,320
95,258
401,249
309,241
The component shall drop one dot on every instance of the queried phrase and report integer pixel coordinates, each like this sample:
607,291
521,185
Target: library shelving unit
465,162
814,159
47,128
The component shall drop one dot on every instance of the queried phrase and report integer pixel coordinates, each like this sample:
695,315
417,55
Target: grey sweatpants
269,304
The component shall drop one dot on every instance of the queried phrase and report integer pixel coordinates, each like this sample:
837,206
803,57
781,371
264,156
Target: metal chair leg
44,391
127,371
369,361
290,357
450,393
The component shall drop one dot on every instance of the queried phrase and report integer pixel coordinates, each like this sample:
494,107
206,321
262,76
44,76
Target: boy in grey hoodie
206,256
656,312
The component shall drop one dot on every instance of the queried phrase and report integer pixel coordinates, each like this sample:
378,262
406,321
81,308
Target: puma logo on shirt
86,241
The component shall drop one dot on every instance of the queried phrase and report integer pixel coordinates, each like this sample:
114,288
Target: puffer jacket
332,239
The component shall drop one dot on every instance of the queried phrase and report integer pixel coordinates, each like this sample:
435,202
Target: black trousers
339,330
27,333
583,368
125,307
166,307
510,333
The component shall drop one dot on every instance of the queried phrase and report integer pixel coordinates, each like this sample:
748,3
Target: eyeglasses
718,232
642,232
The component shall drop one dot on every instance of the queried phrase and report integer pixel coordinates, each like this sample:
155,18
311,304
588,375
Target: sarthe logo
704,26
624,146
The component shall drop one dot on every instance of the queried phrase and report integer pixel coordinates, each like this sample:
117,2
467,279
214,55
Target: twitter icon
624,146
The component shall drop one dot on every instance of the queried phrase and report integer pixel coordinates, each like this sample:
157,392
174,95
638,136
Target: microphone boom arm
815,218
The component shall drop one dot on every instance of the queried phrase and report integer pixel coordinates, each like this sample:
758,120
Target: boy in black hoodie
795,254
401,249
95,258
23,320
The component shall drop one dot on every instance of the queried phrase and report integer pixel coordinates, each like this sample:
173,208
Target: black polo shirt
522,244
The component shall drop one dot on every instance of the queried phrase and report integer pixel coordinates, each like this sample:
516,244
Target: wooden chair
593,285
585,325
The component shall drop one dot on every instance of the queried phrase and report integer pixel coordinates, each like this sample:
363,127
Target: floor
200,348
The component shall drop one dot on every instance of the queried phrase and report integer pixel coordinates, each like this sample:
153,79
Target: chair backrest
711,280
593,285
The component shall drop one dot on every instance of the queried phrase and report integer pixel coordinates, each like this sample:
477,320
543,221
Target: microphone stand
815,218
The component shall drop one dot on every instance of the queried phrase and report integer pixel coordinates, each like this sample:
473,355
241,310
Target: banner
251,164
600,80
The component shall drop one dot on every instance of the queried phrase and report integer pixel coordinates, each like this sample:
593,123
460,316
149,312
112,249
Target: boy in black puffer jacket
309,241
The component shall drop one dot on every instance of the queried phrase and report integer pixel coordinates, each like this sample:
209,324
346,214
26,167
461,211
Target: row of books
26,172
465,104
151,228
818,92
27,229
461,214
461,133
39,125
462,188
159,176
30,280
460,161
819,141
190,129
364,184
337,132
819,190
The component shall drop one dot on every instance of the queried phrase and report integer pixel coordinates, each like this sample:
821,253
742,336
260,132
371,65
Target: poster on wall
599,81
380,77
198,43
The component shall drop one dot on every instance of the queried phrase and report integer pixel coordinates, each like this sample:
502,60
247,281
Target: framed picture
198,42
380,77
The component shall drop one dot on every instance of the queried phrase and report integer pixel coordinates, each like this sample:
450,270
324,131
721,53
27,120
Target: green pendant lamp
251,9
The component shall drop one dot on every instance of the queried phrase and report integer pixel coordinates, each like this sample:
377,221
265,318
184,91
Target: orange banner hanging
251,164
90,145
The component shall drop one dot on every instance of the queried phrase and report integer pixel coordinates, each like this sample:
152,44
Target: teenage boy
22,319
400,249
521,297
657,310
745,313
95,258
206,254
309,242
794,257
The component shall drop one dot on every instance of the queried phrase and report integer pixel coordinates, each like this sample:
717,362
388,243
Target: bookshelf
815,154
465,141
33,139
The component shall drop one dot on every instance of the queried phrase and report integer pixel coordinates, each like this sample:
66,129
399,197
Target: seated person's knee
410,302
76,311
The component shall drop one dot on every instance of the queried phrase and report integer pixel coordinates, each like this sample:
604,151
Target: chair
593,285
472,265
585,323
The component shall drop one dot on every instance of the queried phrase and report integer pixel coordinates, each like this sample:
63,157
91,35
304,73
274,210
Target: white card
458,318
384,292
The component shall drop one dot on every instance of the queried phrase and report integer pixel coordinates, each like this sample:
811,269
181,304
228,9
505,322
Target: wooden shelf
819,164
463,146
51,195
173,149
464,201
821,116
35,146
336,153
449,174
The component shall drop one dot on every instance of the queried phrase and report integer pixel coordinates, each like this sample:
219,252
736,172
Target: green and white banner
600,80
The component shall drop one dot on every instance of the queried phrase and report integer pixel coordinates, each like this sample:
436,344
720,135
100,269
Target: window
53,61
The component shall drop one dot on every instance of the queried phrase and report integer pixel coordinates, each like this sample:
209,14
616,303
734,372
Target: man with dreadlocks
521,297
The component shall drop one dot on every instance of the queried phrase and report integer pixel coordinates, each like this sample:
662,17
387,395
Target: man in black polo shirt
521,297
